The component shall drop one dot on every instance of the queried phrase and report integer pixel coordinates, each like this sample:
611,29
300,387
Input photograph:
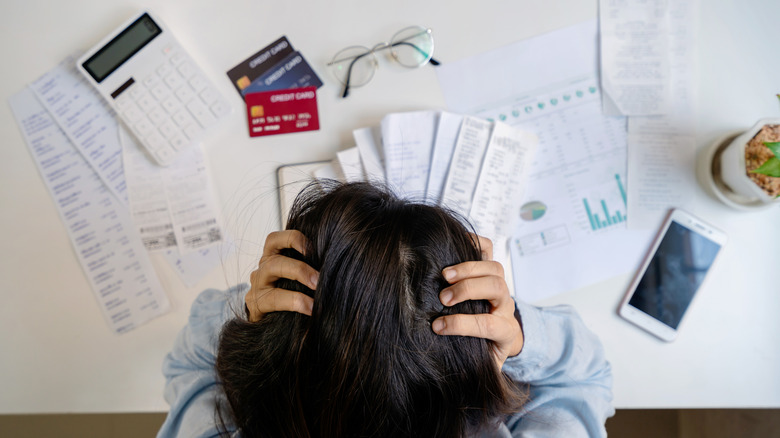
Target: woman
374,316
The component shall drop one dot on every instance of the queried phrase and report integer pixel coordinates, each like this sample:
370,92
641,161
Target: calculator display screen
121,48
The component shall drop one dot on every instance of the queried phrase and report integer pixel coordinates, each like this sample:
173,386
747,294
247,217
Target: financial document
407,142
635,56
172,206
87,121
465,164
570,225
446,136
172,209
100,227
349,160
662,149
369,144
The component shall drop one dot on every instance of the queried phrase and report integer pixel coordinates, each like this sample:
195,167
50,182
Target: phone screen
675,272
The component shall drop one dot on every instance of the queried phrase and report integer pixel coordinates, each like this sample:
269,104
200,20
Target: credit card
292,72
242,75
282,111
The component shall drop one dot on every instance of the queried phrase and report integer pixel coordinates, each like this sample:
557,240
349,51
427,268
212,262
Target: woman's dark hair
366,363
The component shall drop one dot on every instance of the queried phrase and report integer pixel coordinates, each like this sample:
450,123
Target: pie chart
532,211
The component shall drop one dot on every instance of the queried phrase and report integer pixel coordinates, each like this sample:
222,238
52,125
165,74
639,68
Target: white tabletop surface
58,354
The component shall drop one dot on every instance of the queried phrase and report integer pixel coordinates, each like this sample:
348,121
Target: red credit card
282,111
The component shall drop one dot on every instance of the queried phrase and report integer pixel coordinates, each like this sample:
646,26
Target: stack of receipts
476,167
115,203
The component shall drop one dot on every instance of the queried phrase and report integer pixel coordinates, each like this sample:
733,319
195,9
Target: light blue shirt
562,362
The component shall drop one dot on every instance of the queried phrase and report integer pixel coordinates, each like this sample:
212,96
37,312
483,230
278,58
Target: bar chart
602,216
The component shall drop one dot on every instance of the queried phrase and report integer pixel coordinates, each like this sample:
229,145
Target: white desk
58,354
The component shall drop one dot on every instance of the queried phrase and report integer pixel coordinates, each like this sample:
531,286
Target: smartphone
672,274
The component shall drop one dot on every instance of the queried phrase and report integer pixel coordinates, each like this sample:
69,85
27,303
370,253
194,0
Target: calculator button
170,104
177,58
198,83
143,127
187,70
157,115
155,141
164,70
208,95
173,81
132,113
182,118
201,113
165,154
159,91
178,141
184,93
122,101
146,103
220,109
136,91
150,81
168,129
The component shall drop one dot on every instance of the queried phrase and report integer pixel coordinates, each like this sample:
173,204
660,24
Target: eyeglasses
411,47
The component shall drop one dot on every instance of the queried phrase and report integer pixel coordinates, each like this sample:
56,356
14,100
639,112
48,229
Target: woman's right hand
263,296
482,280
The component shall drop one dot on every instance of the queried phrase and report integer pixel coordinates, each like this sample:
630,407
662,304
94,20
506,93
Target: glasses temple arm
349,74
422,52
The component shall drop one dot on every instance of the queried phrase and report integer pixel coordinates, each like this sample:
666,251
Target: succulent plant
771,167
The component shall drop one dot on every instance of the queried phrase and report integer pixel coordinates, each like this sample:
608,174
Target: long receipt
635,56
100,228
407,141
465,164
502,180
488,174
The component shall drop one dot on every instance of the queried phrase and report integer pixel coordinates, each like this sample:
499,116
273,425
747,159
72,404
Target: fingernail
314,279
438,325
446,297
449,274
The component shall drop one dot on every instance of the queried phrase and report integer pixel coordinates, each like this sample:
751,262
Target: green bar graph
622,190
616,217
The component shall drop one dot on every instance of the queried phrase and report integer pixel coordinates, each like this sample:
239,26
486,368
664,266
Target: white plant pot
732,165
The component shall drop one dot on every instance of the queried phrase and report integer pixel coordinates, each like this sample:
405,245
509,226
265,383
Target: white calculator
155,87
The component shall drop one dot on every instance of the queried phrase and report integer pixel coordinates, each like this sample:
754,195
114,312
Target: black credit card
242,75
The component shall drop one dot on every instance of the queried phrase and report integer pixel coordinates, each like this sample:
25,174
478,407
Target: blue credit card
291,72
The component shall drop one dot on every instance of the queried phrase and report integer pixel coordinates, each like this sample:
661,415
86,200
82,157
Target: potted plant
750,164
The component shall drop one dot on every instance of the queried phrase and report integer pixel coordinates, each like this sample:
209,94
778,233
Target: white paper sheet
635,56
443,147
192,267
407,142
662,149
465,164
369,144
147,197
178,198
196,220
100,228
86,119
502,181
349,160
331,170
581,158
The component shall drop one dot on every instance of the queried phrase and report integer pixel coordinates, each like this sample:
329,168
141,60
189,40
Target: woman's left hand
482,280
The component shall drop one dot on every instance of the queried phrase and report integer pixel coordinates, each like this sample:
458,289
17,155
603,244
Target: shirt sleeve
191,387
567,375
